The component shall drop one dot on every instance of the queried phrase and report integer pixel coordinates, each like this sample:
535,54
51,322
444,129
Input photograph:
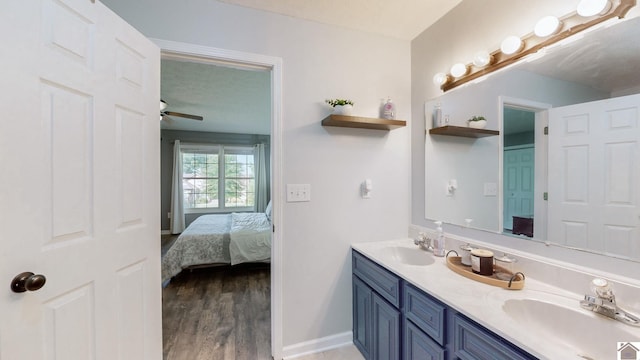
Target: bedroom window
219,178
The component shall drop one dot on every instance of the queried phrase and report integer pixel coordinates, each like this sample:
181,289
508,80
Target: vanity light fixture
511,45
587,8
547,26
548,31
459,70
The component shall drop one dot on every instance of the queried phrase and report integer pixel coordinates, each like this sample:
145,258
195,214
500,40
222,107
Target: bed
220,239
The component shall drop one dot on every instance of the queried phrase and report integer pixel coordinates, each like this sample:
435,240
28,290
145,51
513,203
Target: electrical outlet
298,192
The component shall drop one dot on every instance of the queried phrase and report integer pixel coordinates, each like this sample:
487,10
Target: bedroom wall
469,27
199,137
319,62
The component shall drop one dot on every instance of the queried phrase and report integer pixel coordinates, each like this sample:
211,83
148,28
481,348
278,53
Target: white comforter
250,238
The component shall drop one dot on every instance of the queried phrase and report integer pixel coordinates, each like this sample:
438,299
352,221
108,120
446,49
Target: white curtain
177,196
261,178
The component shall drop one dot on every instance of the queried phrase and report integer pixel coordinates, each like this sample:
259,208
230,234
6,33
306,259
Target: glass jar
505,267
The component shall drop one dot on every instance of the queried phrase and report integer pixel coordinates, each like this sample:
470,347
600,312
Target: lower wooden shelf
362,122
463,131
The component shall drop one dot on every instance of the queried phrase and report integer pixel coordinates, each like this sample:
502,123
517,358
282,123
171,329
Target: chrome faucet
423,241
604,303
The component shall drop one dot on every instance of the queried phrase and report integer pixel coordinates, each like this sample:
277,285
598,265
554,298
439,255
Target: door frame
541,120
274,65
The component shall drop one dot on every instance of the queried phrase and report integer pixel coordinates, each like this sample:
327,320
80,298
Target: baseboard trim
165,232
317,345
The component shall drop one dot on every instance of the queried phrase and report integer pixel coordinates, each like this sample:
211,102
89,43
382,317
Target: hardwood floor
218,313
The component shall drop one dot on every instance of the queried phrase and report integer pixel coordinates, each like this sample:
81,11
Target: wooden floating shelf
362,122
463,131
455,263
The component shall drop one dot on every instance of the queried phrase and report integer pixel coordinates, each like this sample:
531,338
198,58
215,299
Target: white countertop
484,304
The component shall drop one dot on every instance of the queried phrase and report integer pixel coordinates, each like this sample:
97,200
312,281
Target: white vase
480,124
342,109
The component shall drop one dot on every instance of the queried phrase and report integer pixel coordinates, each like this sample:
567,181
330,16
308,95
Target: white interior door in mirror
79,145
594,198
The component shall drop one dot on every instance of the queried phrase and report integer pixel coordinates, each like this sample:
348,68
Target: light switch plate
298,192
490,189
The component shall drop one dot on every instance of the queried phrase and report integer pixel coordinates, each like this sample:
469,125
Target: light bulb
482,58
440,79
588,8
546,26
459,69
511,45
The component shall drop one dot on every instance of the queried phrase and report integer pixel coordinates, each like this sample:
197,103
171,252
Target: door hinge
546,130
545,195
274,228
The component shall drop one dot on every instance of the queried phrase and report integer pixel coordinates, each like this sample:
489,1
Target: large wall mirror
542,168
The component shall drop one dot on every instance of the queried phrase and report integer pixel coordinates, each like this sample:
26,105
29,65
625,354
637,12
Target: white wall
319,62
466,29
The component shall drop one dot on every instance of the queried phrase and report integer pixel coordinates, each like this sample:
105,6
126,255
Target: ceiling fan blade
166,119
188,116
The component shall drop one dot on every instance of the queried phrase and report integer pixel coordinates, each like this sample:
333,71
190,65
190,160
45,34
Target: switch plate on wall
298,192
490,189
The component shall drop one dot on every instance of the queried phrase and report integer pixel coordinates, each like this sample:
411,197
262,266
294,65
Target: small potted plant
340,106
477,122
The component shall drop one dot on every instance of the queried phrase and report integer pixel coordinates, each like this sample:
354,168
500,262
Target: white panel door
594,172
79,149
519,177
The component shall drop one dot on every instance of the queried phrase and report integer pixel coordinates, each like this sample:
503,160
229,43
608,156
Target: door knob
27,281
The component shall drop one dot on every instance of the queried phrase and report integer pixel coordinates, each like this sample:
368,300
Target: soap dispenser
438,243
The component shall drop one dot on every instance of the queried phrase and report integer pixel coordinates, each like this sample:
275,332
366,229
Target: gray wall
166,160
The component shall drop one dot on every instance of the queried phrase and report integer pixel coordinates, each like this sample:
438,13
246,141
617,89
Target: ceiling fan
163,113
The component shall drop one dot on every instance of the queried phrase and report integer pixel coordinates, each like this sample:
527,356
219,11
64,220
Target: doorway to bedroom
217,294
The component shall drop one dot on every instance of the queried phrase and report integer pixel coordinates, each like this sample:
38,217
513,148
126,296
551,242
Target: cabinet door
473,342
419,346
362,317
386,330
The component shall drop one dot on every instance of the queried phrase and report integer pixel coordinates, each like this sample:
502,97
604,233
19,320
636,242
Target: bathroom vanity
408,305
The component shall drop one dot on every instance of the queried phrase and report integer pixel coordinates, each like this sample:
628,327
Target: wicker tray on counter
455,263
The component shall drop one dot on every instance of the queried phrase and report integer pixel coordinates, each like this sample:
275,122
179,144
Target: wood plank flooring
218,313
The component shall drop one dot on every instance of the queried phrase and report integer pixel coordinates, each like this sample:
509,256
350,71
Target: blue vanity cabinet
393,319
376,313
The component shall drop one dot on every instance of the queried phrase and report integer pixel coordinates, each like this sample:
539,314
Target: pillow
267,211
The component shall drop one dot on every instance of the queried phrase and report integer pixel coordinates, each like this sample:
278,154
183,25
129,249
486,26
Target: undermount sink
407,255
592,336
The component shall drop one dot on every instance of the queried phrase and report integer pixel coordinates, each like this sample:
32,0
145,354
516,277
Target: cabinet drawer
382,281
471,342
419,346
426,312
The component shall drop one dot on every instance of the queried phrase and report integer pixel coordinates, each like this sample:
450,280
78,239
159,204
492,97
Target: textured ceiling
404,19
607,59
230,100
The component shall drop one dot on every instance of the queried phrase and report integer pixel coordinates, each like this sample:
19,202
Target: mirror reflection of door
519,171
